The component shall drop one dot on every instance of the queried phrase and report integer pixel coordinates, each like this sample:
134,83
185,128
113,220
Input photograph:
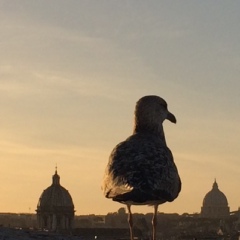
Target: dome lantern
56,178
215,185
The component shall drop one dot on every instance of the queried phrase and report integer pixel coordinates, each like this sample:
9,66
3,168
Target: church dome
215,197
55,196
215,204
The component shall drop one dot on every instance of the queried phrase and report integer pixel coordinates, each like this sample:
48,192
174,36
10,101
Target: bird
141,169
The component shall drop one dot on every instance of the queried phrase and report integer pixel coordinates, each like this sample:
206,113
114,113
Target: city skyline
122,205
71,73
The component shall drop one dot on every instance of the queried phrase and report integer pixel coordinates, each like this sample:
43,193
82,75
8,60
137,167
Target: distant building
55,209
215,204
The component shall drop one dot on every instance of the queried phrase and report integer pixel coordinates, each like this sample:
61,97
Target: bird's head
150,112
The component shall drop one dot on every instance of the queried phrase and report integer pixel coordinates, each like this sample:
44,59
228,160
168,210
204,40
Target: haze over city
71,73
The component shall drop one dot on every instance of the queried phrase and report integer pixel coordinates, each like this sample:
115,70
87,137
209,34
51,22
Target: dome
215,204
55,209
215,197
55,196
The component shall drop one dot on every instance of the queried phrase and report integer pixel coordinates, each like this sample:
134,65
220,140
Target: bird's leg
130,221
154,222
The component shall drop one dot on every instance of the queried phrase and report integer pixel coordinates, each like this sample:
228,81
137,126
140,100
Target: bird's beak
171,118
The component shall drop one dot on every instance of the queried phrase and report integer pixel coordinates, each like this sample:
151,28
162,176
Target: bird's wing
141,162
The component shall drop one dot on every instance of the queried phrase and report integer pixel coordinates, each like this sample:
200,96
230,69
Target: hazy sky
71,73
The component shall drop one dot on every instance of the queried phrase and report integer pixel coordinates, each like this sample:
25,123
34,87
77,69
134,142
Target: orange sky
71,72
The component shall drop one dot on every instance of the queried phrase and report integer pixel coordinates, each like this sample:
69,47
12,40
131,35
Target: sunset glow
71,73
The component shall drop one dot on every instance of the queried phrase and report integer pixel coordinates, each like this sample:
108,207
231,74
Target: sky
71,73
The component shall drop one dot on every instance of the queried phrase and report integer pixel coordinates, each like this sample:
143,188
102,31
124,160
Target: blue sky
71,72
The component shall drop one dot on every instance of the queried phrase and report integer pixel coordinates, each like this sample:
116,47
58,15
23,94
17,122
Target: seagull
141,169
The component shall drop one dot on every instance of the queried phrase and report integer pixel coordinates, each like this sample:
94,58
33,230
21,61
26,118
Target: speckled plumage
141,169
